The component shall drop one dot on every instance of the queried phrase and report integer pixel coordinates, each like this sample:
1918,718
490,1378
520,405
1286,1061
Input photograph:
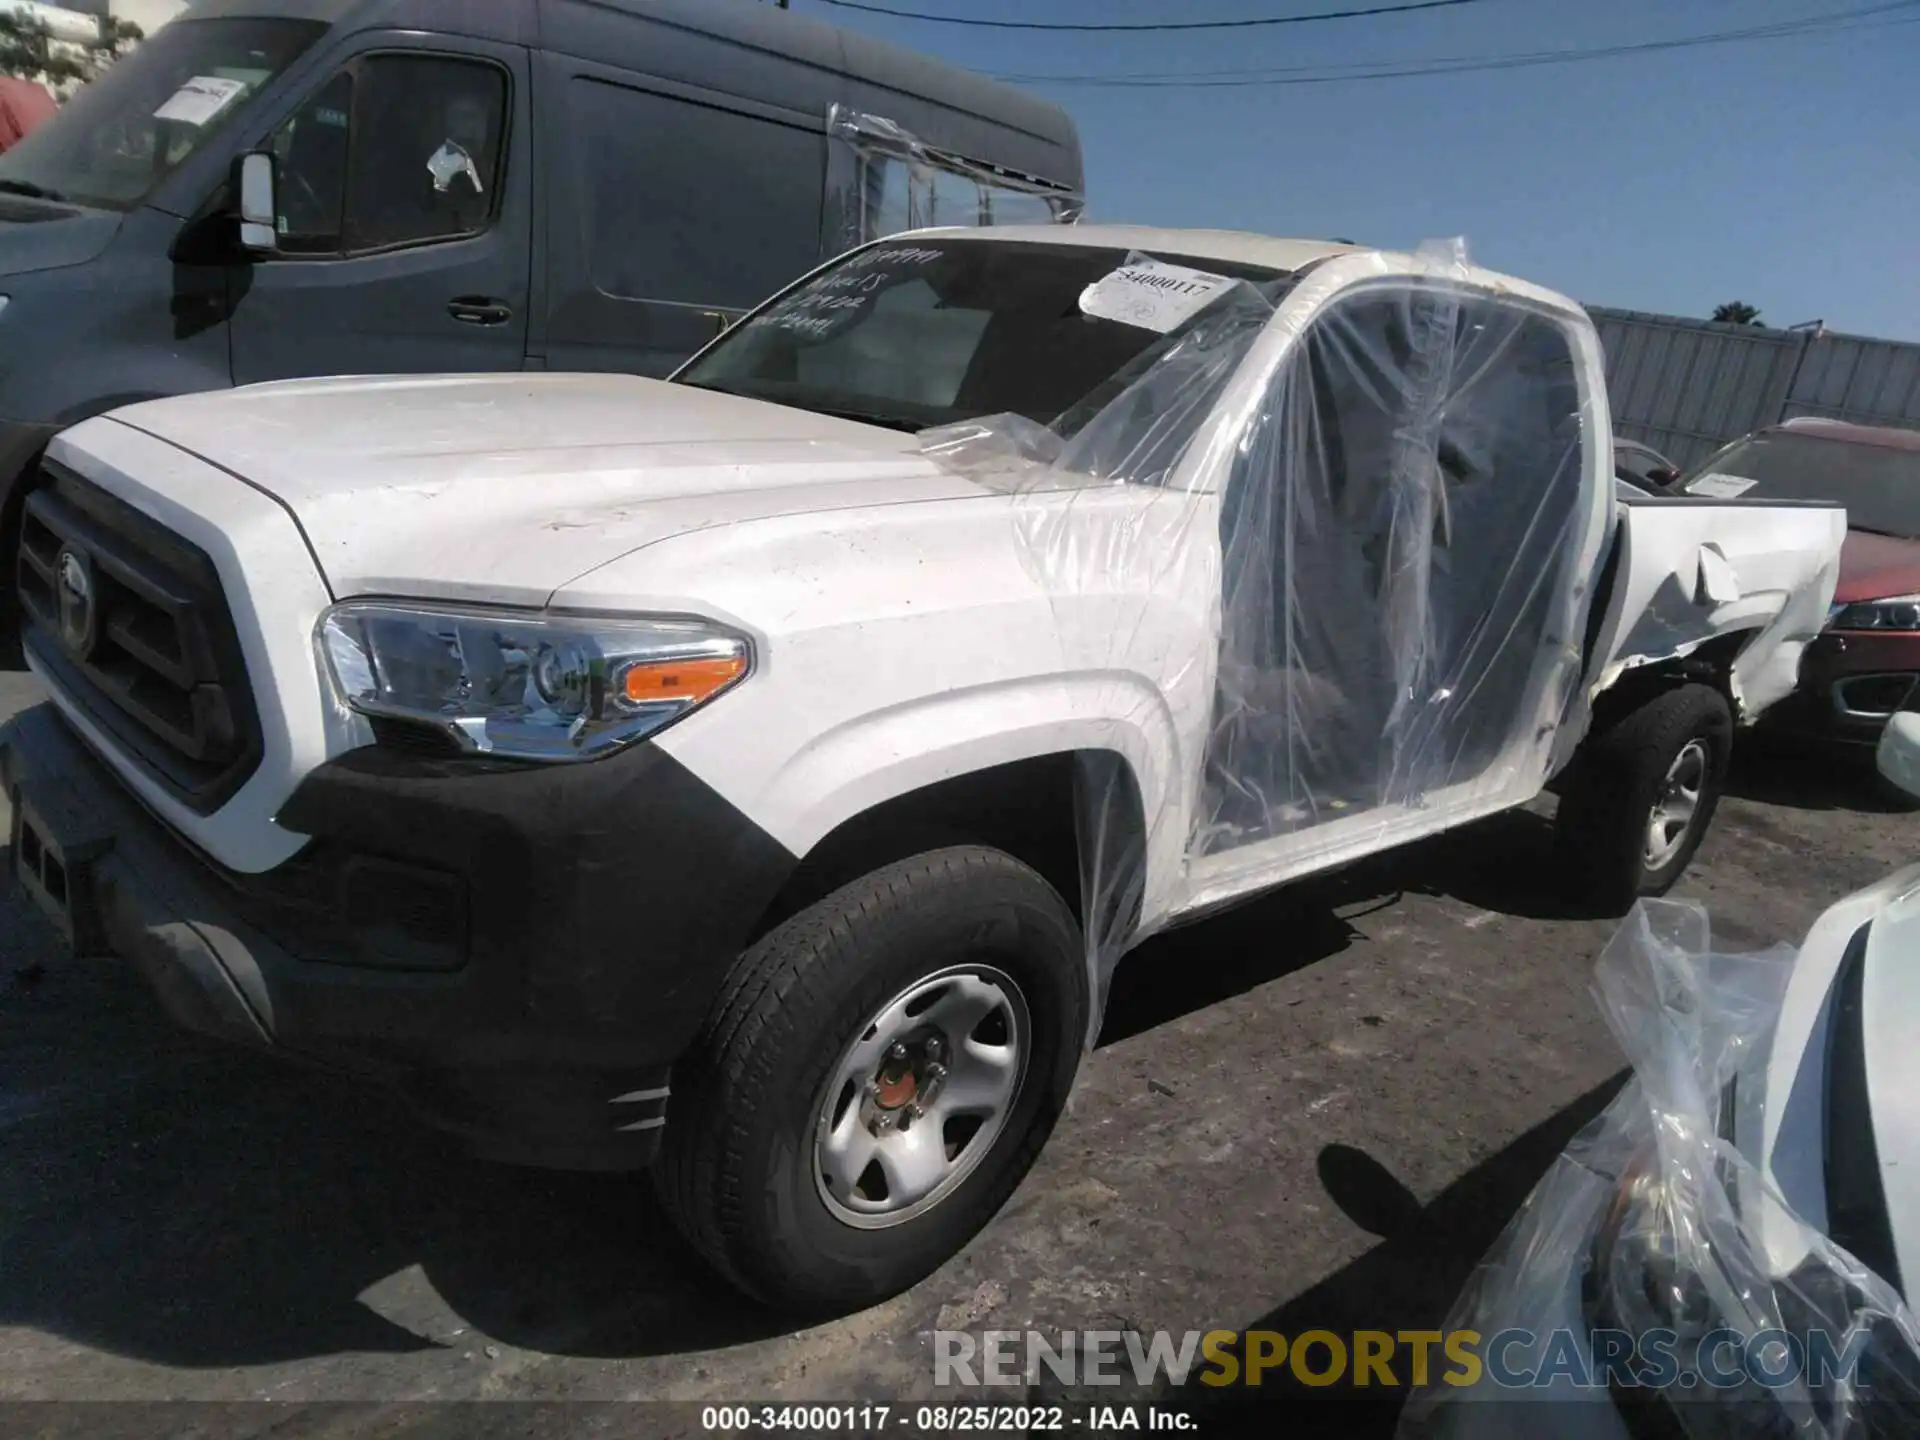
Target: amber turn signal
688,681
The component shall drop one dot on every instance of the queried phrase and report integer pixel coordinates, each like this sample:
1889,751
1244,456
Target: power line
1248,24
1816,24
1332,74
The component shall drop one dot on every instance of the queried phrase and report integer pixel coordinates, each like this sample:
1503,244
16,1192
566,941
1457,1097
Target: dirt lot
1317,1111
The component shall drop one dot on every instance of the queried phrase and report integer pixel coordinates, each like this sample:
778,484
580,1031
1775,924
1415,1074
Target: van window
899,193
312,151
396,150
693,204
127,131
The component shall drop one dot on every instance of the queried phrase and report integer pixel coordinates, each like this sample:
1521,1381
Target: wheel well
1710,664
1029,808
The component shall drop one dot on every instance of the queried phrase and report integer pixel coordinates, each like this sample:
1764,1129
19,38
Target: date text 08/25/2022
878,1418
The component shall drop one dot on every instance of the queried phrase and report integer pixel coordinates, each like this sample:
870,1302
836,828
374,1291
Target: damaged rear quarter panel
1695,570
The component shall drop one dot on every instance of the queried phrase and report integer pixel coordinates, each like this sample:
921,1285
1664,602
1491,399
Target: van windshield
123,134
930,330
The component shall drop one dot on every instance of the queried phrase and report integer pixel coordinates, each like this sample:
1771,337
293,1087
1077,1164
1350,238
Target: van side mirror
1899,753
255,182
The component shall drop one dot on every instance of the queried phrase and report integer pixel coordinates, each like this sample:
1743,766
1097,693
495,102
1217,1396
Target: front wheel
1642,794
879,1074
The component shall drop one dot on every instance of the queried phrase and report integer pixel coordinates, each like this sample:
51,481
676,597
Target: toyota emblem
79,612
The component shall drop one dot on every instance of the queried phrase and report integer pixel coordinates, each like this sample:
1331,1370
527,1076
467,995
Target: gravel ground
1317,1111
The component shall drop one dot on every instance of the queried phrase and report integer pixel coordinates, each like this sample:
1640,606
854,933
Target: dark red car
1866,664
24,105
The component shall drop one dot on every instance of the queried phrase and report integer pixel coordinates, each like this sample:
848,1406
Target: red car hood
1873,567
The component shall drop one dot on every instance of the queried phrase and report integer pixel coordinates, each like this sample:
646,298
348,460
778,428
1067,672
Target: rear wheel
879,1074
1642,794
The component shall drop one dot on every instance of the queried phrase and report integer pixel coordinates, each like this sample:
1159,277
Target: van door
404,219
673,212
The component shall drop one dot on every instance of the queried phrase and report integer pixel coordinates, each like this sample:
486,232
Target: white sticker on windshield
1152,295
1721,487
200,99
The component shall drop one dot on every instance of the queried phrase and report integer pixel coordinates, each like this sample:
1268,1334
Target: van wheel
878,1075
1642,795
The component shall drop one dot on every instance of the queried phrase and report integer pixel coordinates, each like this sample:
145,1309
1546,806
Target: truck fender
843,772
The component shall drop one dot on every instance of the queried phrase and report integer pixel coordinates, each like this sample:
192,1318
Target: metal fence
1686,387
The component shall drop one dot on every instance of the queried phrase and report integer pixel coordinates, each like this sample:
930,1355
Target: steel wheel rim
973,1021
1677,805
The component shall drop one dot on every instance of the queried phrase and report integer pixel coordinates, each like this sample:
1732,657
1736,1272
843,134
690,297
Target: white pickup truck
759,772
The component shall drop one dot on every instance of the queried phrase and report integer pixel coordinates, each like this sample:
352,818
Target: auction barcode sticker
200,99
1721,487
1152,295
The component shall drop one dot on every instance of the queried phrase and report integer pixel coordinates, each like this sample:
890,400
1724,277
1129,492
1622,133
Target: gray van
269,189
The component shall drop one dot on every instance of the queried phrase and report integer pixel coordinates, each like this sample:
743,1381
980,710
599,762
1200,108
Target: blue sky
1785,173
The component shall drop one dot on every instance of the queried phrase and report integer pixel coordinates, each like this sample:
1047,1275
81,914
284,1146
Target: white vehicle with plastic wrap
762,771
1731,1248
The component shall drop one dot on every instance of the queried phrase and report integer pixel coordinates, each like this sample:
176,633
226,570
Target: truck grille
130,620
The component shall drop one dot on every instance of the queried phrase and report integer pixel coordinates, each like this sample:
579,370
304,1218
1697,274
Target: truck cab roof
1245,247
1238,247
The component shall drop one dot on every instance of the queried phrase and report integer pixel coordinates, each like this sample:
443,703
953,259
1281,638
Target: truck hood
505,487
1877,567
37,235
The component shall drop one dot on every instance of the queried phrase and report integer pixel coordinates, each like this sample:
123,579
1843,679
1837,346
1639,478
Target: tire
740,1170
1605,825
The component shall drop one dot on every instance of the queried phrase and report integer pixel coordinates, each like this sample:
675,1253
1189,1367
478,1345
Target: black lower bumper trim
602,912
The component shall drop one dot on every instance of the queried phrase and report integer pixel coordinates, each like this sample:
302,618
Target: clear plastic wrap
883,179
1332,537
1654,1229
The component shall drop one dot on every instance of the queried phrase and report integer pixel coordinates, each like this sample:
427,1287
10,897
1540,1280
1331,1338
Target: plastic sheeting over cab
1342,548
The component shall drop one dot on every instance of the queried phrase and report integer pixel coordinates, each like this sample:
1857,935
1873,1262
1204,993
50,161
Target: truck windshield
927,331
1879,485
121,136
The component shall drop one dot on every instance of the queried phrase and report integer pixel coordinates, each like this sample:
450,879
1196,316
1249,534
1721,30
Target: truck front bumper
521,952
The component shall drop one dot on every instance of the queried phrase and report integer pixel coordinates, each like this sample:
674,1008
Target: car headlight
532,686
1902,612
1642,1262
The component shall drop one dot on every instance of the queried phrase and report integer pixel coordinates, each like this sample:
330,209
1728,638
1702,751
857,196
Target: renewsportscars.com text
1508,1360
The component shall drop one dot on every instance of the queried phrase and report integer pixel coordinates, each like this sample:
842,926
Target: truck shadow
1504,864
1203,964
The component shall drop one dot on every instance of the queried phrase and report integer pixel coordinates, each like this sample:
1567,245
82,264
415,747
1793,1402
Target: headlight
1902,612
538,687
1642,1257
